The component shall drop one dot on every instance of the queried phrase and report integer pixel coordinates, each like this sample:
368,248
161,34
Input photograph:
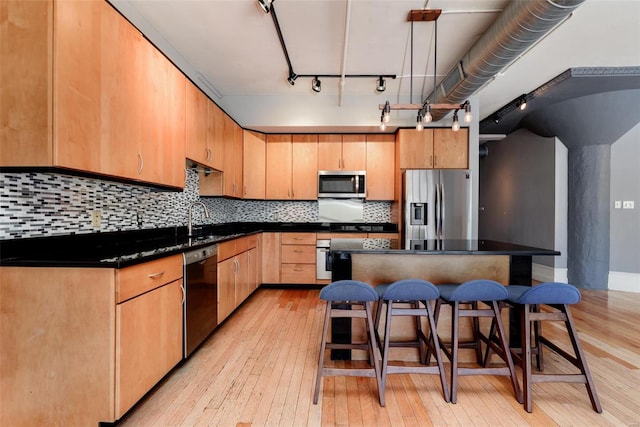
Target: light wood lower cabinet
298,258
148,342
238,274
73,355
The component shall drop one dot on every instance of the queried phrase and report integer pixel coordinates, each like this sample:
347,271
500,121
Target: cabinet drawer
299,239
298,273
298,254
138,279
252,241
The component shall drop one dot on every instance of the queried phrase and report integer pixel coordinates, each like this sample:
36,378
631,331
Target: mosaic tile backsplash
38,204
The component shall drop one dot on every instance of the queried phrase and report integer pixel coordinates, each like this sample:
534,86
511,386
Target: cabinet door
215,135
354,152
329,152
415,149
380,167
253,167
304,175
279,161
242,278
232,157
148,342
173,147
76,82
451,149
196,114
227,270
121,94
253,263
271,257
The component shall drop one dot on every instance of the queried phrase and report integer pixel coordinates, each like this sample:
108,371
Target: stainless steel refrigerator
436,205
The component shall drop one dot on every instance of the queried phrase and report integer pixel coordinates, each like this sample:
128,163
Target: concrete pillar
588,222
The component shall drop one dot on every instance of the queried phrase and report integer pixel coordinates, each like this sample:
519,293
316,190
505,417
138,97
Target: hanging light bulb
456,124
383,125
467,112
386,112
427,114
419,125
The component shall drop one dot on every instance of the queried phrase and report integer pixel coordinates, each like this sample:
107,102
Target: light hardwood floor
258,369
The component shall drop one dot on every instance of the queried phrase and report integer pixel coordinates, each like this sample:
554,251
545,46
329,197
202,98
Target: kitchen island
379,261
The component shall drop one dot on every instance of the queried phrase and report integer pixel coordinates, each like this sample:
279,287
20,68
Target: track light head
265,5
496,118
382,84
316,85
522,103
292,78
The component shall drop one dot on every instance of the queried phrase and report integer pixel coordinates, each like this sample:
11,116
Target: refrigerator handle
437,212
442,209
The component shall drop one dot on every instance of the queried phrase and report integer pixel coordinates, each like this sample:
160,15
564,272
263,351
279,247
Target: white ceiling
230,48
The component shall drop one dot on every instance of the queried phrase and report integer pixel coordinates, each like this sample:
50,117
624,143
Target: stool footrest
346,372
559,378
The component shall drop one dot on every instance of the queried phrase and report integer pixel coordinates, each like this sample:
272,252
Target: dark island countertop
120,249
434,247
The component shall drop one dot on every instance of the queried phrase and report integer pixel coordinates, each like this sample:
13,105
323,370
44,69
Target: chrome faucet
206,215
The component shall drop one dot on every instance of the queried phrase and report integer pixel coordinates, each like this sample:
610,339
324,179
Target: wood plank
255,371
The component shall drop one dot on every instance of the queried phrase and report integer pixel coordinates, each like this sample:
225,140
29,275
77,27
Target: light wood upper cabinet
253,165
292,167
414,149
232,166
279,166
51,65
304,173
451,149
432,148
341,152
77,81
216,135
196,122
380,166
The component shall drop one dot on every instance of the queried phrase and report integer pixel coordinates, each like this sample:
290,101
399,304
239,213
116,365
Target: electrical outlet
617,204
627,204
96,218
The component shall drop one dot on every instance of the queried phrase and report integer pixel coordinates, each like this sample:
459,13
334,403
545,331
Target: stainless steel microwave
342,184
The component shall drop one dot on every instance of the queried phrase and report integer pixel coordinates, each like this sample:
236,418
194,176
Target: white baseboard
544,273
621,281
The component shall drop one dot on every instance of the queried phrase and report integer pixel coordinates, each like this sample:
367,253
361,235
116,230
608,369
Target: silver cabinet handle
155,275
184,294
141,163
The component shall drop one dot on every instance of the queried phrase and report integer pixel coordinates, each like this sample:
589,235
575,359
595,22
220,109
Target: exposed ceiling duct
520,26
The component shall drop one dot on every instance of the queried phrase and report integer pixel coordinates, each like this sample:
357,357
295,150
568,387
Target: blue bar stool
469,294
557,296
418,294
352,299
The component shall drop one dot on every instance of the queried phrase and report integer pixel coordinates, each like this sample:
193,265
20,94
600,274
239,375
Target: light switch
617,204
627,204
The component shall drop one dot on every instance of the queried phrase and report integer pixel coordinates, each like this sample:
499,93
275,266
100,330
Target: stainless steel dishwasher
201,301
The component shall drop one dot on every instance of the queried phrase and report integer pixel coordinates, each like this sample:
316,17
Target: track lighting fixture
456,124
265,5
292,78
316,85
496,118
419,125
427,117
522,103
382,84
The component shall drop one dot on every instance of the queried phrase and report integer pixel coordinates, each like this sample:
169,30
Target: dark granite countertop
120,249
